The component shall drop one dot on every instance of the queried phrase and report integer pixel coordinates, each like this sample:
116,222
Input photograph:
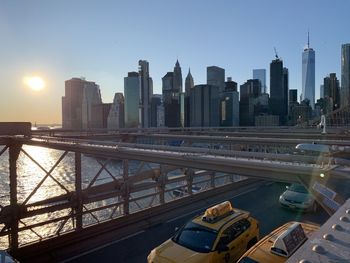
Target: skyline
104,41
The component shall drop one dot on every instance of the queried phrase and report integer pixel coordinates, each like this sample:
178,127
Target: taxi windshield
196,237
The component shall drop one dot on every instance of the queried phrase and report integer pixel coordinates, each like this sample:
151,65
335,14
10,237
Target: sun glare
35,83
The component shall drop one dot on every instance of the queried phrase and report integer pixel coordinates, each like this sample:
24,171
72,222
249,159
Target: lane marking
103,246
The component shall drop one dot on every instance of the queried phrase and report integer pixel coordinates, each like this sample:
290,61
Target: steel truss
91,200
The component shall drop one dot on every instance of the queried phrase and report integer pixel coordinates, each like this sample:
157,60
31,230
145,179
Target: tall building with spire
189,84
345,75
172,94
177,86
308,74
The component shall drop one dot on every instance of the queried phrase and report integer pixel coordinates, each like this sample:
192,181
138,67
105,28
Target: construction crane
276,55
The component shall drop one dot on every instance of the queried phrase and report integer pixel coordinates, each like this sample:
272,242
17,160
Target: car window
233,231
196,237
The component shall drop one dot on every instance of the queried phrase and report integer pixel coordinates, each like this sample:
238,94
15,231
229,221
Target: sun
35,83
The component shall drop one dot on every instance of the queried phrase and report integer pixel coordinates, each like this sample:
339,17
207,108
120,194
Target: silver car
298,197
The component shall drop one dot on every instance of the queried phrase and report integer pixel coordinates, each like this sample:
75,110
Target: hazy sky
103,40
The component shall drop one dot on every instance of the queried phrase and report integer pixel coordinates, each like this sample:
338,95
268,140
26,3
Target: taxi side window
233,231
244,224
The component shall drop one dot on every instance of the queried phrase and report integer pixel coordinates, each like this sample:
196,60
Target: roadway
261,201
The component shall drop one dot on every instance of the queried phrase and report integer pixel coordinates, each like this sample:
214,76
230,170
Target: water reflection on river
62,179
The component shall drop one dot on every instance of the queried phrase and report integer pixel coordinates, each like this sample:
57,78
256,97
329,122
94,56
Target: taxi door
230,246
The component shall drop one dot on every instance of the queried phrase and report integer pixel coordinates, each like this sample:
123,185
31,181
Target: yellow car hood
170,252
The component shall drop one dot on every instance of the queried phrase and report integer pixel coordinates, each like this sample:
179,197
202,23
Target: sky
104,40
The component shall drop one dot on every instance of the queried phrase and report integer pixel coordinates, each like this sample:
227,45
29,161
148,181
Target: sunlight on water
30,174
35,185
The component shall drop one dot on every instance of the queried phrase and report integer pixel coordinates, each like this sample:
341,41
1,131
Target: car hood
295,196
170,252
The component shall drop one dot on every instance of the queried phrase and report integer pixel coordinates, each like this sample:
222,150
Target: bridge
135,185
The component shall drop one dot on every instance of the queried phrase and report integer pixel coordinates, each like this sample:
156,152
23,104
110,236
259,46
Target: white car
298,197
183,190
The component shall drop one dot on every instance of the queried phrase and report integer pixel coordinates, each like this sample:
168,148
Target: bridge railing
47,192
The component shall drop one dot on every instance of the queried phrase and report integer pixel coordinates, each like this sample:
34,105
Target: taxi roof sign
216,212
289,241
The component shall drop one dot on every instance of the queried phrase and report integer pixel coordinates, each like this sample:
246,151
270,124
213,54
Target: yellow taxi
280,244
221,234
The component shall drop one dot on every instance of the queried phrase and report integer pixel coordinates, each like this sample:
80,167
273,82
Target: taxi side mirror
221,247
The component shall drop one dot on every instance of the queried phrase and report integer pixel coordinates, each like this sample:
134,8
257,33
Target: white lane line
101,247
195,211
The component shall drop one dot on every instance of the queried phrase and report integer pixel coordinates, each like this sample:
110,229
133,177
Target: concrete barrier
15,128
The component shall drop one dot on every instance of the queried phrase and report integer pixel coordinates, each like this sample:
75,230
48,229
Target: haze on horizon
103,40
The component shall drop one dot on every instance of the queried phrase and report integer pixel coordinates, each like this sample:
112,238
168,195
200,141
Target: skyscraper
167,87
292,103
308,74
99,115
229,105
216,77
116,113
189,84
177,78
345,75
131,100
285,91
278,96
172,90
146,92
293,96
170,101
77,103
321,91
331,92
260,74
155,103
204,106
91,96
249,92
